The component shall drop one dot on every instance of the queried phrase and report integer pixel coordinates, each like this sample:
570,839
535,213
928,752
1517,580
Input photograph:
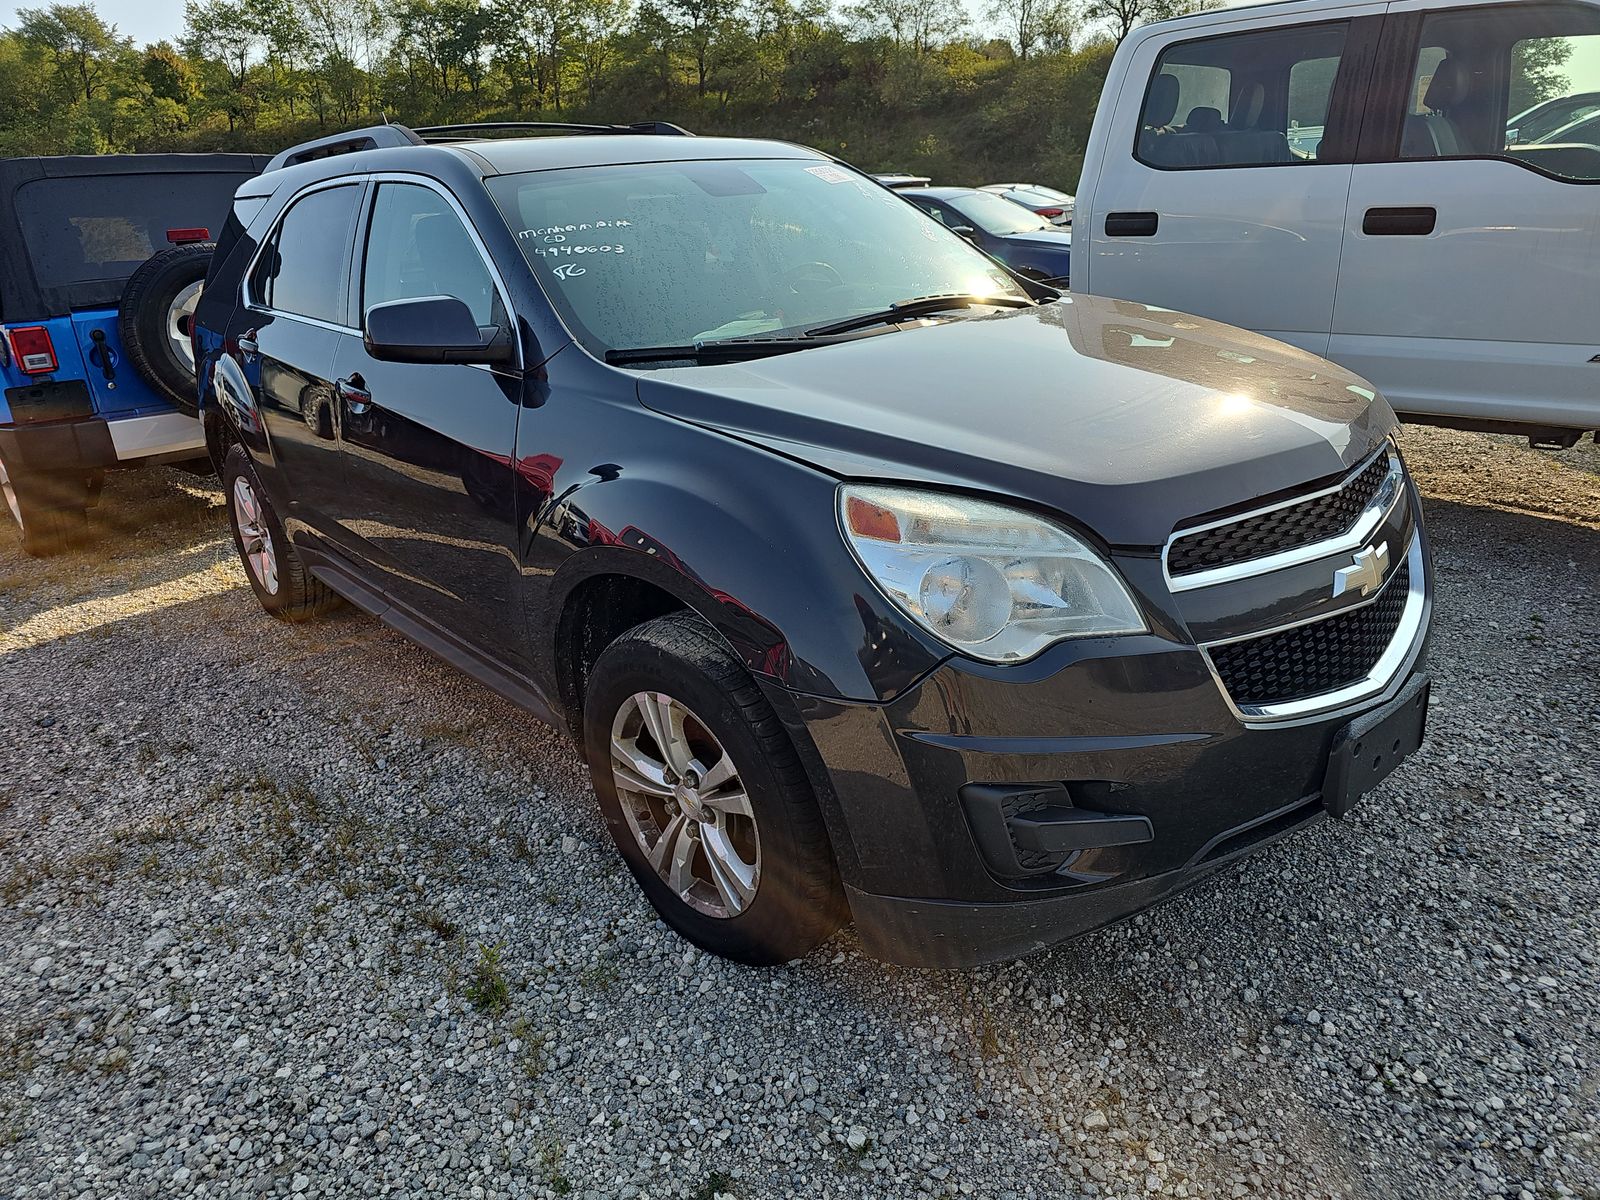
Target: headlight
995,583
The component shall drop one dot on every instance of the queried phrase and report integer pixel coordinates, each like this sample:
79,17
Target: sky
142,20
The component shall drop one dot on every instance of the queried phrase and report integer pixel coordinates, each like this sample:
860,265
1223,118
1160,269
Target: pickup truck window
1242,100
1514,82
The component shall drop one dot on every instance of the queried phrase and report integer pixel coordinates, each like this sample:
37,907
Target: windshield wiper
920,306
729,350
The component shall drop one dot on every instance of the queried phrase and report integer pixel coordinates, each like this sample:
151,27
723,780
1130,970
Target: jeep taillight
33,350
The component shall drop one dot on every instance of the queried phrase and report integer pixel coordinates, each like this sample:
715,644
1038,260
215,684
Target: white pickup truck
1411,189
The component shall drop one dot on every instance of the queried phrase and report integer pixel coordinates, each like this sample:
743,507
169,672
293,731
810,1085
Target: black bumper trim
951,934
66,445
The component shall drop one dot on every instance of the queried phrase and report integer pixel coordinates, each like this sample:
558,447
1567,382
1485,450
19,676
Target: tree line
912,85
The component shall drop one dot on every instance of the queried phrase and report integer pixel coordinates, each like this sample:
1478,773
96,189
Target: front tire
49,507
705,798
277,575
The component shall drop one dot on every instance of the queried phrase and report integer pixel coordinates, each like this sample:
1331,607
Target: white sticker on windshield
830,174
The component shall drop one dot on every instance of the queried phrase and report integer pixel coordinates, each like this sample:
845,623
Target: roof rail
371,138
450,133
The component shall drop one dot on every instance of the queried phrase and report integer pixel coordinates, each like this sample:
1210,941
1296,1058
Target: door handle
1132,224
1399,222
353,395
101,356
247,347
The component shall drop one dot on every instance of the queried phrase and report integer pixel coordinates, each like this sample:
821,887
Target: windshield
669,254
1537,124
996,215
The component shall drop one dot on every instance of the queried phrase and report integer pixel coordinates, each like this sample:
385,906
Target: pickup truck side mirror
434,329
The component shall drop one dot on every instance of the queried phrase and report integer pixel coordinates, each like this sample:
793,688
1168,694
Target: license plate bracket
1368,749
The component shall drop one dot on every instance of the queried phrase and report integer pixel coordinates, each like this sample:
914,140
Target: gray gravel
300,912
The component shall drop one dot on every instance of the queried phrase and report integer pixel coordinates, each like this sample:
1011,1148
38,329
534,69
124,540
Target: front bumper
1139,728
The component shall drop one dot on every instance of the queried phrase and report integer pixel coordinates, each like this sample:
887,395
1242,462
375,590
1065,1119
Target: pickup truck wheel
277,575
705,797
158,298
48,507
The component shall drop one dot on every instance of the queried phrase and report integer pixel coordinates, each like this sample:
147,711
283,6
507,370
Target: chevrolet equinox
876,583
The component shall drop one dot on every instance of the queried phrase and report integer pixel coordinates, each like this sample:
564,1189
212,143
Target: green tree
1030,23
83,48
1539,72
1122,15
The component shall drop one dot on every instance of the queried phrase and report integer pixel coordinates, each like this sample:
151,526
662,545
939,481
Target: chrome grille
1263,534
1315,658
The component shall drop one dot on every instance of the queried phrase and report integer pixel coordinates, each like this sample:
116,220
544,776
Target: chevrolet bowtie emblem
1365,574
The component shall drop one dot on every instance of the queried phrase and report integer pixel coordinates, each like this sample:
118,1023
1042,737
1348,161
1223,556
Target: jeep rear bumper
94,443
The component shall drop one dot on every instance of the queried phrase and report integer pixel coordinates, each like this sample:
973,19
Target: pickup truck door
1470,285
1224,169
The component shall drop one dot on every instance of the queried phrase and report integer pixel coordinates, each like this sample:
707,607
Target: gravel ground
301,912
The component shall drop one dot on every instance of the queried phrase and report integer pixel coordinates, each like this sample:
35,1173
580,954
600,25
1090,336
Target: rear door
1470,285
427,489
295,310
1227,166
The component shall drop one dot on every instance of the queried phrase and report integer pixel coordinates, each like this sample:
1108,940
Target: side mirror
966,231
433,329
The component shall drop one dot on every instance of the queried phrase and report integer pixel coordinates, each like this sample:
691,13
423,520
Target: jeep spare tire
160,295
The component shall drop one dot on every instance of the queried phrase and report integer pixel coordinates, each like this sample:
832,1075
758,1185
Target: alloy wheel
685,804
183,305
255,539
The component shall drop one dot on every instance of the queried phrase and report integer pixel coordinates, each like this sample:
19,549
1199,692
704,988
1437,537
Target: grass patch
601,977
718,1183
436,923
550,1155
487,989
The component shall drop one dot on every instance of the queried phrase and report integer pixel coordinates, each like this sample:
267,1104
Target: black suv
874,581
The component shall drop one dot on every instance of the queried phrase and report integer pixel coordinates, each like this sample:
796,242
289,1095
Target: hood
1125,418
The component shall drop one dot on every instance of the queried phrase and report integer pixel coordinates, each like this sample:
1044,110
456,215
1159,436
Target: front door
1471,276
1226,171
428,492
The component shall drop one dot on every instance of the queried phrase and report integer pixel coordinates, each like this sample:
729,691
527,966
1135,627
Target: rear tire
49,507
164,289
277,574
719,826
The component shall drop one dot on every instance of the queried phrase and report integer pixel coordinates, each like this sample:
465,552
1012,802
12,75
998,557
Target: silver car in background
1054,206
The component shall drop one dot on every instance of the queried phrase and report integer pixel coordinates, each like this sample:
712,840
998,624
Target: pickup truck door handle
1132,224
1399,222
353,395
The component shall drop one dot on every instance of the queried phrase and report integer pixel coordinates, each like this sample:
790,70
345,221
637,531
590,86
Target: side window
1520,82
1242,100
301,270
417,246
936,211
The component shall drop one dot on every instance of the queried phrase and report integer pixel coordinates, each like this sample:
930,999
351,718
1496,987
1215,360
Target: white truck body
1350,178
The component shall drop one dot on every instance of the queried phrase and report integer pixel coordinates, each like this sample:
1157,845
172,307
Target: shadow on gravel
1461,524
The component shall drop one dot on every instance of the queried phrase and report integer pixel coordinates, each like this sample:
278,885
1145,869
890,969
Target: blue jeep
102,260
